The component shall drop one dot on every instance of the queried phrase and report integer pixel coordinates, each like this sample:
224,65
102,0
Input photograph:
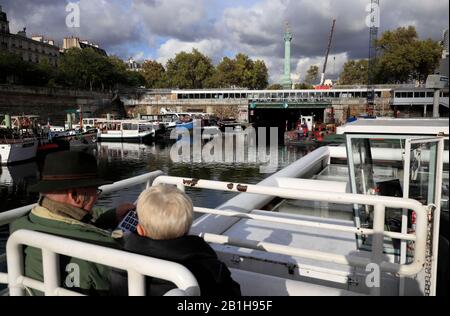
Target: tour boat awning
432,127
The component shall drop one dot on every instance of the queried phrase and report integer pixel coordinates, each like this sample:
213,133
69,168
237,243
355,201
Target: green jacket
66,221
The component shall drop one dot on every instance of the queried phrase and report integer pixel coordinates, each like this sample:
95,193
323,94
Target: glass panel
423,172
377,170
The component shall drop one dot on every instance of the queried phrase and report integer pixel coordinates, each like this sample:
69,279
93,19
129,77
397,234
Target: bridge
248,101
423,97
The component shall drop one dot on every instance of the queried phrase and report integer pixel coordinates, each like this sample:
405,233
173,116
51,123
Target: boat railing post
136,284
50,263
15,268
377,241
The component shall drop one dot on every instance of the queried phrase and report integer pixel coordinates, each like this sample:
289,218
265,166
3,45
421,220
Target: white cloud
136,27
181,19
334,66
211,48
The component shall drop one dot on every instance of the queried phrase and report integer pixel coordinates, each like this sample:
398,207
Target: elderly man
69,190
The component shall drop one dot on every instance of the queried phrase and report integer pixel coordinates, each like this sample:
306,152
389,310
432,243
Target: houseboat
125,130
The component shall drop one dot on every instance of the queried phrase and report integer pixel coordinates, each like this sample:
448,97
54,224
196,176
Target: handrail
137,266
10,216
300,223
380,204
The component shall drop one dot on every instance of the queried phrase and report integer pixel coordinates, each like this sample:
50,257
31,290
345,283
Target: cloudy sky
158,29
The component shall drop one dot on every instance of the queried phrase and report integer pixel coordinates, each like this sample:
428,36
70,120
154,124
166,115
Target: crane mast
374,27
330,41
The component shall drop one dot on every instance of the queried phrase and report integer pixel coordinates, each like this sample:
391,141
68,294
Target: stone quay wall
49,103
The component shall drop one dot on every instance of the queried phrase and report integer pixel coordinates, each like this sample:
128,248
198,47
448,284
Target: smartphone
130,222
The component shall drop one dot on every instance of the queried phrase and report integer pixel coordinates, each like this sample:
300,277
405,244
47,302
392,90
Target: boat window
126,126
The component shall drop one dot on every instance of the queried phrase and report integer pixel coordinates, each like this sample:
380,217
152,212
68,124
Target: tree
241,72
312,75
154,74
189,70
404,57
260,79
87,69
303,86
275,86
355,72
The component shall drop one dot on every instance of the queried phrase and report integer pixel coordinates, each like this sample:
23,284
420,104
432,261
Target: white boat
17,150
361,220
125,130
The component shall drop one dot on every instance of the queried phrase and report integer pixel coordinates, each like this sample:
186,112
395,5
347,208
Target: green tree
260,78
355,72
303,86
312,75
403,57
189,70
135,79
154,74
86,69
241,72
275,86
11,67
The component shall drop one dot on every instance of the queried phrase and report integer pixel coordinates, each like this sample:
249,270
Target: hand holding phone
130,222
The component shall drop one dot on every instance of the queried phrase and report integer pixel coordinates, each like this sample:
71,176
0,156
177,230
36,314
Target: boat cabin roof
432,127
141,122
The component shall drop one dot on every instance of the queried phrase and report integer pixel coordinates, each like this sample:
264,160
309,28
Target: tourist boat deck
313,228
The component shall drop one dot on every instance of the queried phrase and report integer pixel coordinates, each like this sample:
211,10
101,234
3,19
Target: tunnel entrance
283,119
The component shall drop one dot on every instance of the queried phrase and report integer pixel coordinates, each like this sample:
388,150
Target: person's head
82,198
164,213
70,178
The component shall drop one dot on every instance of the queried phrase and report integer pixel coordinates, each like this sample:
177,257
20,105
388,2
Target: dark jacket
193,252
65,221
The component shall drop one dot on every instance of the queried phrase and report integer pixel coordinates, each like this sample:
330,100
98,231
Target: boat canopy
423,127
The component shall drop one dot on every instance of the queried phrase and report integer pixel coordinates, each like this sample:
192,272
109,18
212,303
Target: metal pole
69,121
437,97
8,121
377,241
50,263
136,284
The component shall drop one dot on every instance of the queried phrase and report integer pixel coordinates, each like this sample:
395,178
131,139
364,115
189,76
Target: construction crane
374,27
330,41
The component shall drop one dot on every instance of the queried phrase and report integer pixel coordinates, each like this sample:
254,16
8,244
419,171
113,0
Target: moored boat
125,131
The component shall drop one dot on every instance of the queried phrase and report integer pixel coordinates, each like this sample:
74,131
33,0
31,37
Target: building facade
75,42
133,65
35,50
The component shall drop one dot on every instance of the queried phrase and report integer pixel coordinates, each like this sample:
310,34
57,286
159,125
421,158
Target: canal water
118,161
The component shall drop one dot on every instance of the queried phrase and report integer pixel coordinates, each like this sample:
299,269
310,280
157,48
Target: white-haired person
165,217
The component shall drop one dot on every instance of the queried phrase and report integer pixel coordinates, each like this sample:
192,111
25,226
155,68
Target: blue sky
158,29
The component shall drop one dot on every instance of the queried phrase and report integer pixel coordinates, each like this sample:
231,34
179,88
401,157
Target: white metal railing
10,216
380,203
137,266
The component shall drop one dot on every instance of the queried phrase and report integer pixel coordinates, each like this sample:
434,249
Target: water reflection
14,181
118,161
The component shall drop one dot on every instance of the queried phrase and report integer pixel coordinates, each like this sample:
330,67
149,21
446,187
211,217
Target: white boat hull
121,136
18,152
